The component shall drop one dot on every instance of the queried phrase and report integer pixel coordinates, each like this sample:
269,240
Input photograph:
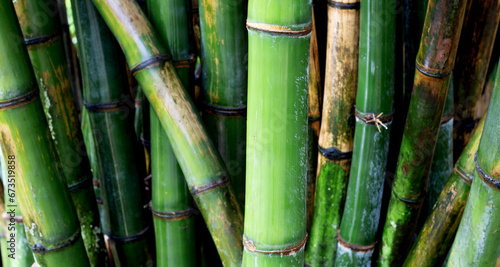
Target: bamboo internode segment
335,144
435,61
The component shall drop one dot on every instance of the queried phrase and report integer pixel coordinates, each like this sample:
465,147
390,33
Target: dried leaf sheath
337,132
201,164
51,221
435,61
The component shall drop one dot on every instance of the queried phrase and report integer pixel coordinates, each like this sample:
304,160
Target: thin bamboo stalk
279,42
374,113
172,203
105,94
476,242
224,56
473,57
46,51
51,221
437,234
202,166
337,131
435,61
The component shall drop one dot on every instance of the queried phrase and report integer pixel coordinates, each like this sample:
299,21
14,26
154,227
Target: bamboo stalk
172,203
202,166
337,131
279,43
46,51
374,113
476,242
51,221
105,94
224,57
473,57
437,234
435,61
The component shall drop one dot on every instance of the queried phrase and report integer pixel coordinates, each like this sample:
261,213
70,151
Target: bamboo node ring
377,120
130,238
172,215
278,29
220,182
342,5
234,112
249,245
17,219
20,100
466,177
43,249
148,63
492,182
104,107
334,154
356,248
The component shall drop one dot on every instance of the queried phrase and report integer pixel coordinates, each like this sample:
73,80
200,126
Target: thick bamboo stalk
476,242
105,95
437,234
374,113
473,57
279,41
46,51
51,221
201,164
435,61
17,251
224,56
172,203
337,131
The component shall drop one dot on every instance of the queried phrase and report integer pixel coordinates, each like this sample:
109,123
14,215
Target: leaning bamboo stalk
434,64
473,57
105,94
224,56
201,164
46,51
337,131
476,242
437,234
279,41
18,252
171,203
51,221
374,112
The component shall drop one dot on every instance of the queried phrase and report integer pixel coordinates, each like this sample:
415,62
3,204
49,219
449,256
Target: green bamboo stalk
202,166
434,64
172,203
476,242
46,51
51,221
337,132
18,253
374,112
224,56
442,162
473,57
279,42
105,95
437,234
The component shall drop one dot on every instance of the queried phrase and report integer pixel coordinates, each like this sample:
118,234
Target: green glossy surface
45,203
476,243
224,56
276,135
104,81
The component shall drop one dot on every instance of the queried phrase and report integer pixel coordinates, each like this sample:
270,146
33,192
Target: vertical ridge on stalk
337,130
374,115
51,221
279,43
435,61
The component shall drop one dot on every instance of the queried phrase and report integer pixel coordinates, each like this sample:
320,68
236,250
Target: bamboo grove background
249,133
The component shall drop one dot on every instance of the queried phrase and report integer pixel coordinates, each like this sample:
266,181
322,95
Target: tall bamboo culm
476,242
374,113
436,236
279,42
473,57
105,97
46,51
224,57
337,131
204,171
51,221
172,204
434,64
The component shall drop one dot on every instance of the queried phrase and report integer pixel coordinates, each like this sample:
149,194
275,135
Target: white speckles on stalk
46,106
